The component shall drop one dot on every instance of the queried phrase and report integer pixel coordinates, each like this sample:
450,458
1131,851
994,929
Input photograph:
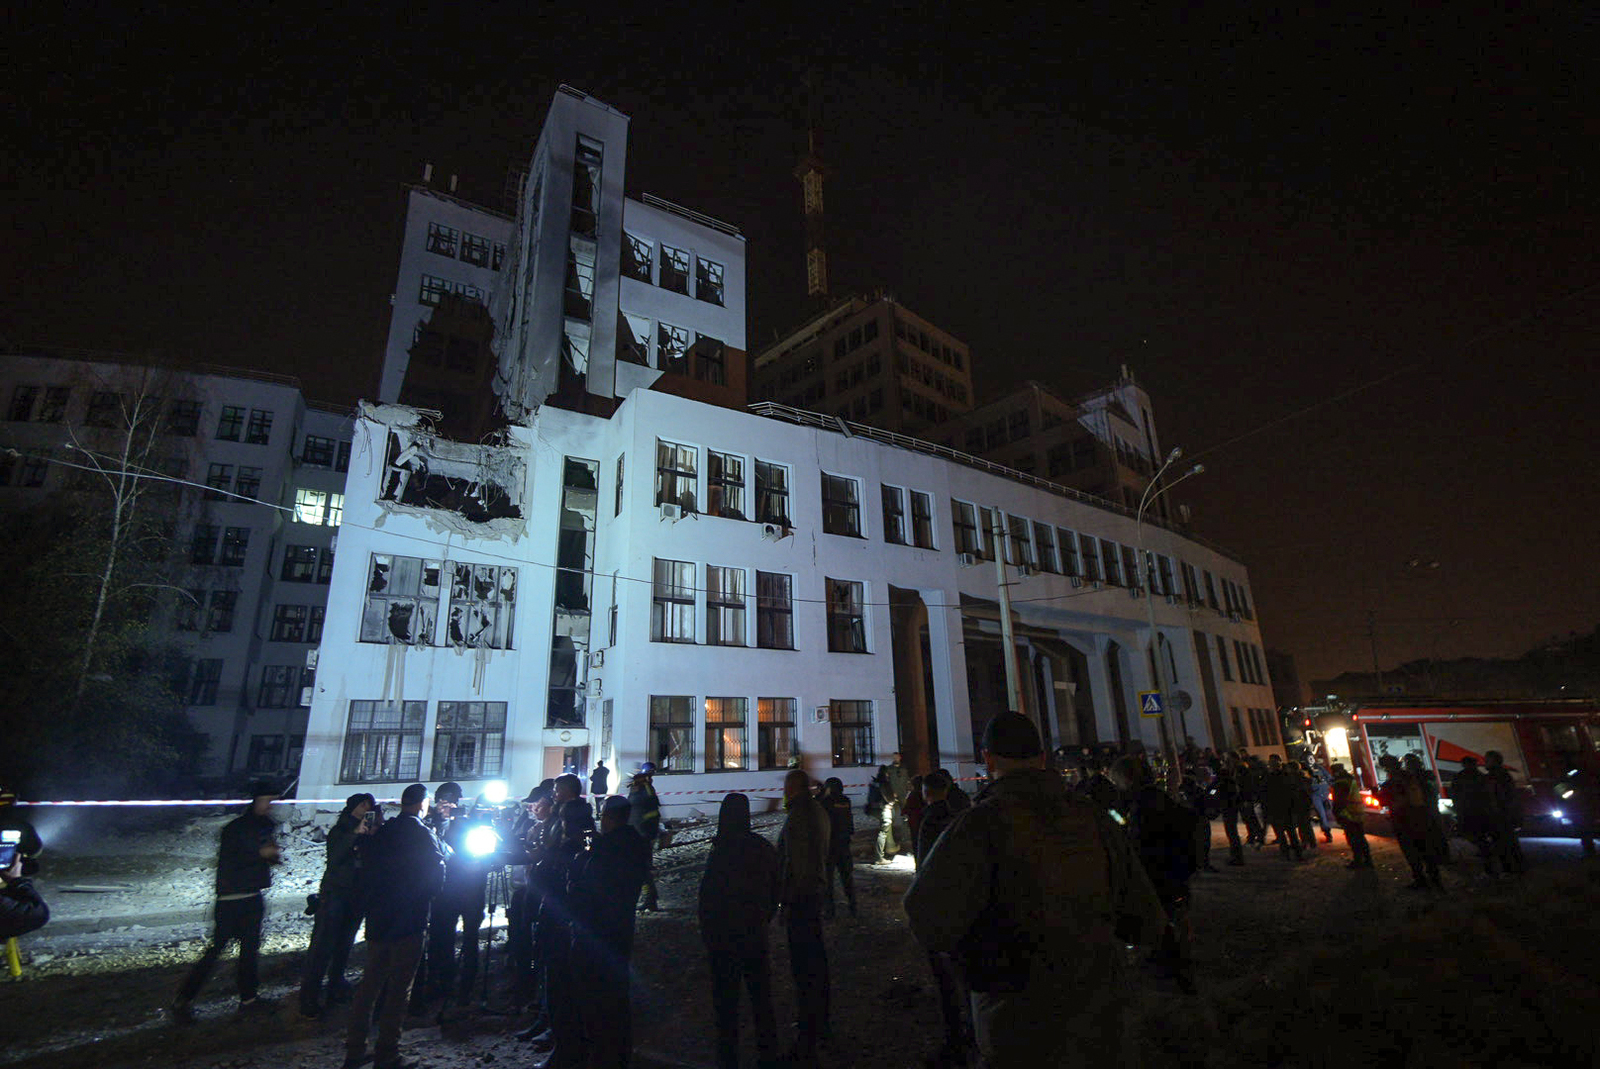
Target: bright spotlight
494,792
482,841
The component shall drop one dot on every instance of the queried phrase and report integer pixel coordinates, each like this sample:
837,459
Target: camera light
482,841
494,792
1558,814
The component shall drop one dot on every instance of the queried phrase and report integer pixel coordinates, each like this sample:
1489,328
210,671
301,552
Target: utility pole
1372,639
1007,635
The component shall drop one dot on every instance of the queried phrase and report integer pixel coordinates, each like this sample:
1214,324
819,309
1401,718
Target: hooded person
1034,893
605,886
738,899
557,913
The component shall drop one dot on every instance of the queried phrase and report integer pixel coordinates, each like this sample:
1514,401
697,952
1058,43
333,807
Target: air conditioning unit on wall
772,532
597,658
966,560
672,512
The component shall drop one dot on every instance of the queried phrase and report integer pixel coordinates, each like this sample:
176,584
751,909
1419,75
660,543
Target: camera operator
21,909
338,910
244,871
472,849
28,843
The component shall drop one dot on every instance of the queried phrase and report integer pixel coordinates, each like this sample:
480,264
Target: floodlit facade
728,594
251,547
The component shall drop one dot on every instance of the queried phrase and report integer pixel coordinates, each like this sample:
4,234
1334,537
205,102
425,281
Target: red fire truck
1541,741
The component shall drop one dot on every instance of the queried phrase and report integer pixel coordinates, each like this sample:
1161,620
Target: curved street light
1151,493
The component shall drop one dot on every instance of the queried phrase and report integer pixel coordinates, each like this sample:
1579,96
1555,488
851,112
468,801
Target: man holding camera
338,910
244,871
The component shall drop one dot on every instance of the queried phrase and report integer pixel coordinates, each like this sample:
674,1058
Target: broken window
230,425
203,681
469,740
772,493
575,350
672,348
674,269
672,732
475,249
482,605
402,602
708,281
219,478
183,418
325,567
299,564
442,239
105,409
570,626
725,606
672,602
260,429
633,338
586,186
725,485
54,408
22,399
847,632
477,482
637,255
203,544
383,742
279,687
220,616
708,360
317,452
580,278
677,475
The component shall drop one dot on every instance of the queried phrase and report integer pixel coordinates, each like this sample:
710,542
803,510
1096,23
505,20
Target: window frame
727,610
862,725
847,615
770,727
683,489
768,495
894,515
403,763
672,601
677,719
717,732
489,739
724,492
841,515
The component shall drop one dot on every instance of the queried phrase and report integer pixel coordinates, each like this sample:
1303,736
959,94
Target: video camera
10,846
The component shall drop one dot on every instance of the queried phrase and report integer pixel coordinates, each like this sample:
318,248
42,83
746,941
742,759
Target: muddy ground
1298,964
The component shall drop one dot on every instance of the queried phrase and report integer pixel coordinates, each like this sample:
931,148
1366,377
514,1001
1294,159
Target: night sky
1257,216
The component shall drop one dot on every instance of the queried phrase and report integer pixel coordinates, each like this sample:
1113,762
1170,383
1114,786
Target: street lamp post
1151,492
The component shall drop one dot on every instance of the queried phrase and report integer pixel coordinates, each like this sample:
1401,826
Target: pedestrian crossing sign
1150,703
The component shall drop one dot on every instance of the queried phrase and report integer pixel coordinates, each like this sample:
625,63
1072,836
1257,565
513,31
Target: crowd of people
1027,898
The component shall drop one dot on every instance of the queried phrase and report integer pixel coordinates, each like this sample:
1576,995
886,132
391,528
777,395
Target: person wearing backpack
1162,832
1034,893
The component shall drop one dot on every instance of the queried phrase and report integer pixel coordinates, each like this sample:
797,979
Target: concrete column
952,712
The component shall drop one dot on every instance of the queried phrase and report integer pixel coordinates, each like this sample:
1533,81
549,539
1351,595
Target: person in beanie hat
338,910
1034,893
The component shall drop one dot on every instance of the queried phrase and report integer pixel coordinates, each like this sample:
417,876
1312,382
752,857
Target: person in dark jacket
244,871
887,804
1472,798
1300,814
460,903
803,884
1098,788
1507,811
1252,776
338,916
1034,892
645,818
599,787
841,826
605,886
403,870
1227,794
1161,831
959,800
1279,798
21,909
912,808
936,817
574,821
738,899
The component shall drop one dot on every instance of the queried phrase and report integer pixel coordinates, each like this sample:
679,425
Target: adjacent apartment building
251,501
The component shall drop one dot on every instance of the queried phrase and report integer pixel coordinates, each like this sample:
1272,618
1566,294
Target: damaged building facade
728,594
250,496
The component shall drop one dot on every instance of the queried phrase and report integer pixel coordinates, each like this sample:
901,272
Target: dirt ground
1298,964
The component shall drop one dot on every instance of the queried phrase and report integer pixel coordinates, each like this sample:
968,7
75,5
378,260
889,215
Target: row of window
407,596
320,508
854,339
470,248
211,544
669,267
677,482
285,686
307,564
933,347
679,350
383,741
1248,659
434,289
24,471
676,599
319,452
1013,427
109,408
221,478
912,371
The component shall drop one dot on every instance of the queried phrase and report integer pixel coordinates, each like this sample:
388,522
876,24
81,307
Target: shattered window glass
847,632
841,505
851,726
482,605
218,478
469,740
725,733
672,732
672,348
637,255
633,338
498,258
708,281
223,603
575,350
580,278
674,269
299,564
774,611
921,520
434,289
279,687
402,602
708,360
775,732
442,239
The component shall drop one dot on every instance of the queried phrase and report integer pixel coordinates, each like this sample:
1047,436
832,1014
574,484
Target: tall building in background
248,552
869,360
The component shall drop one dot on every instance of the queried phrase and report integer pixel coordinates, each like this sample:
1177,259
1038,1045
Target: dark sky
1257,215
